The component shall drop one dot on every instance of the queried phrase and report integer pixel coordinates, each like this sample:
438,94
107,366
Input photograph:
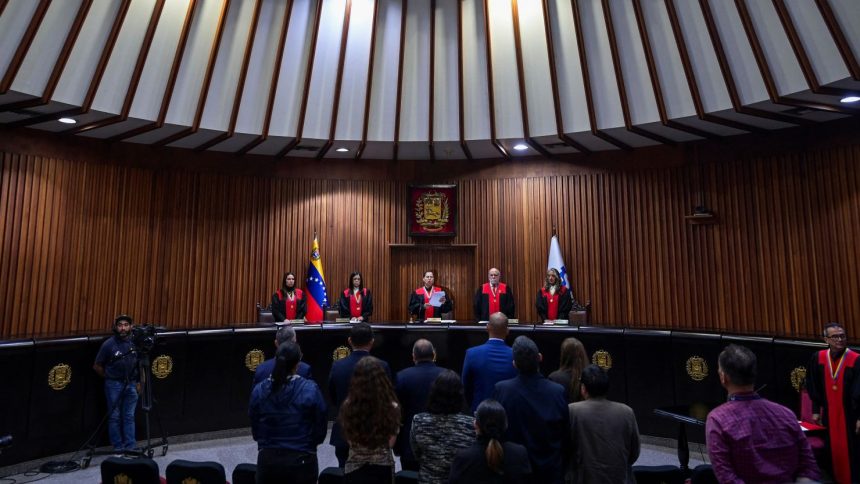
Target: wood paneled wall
84,239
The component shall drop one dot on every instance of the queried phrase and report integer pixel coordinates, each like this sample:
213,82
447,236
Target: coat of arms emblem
432,211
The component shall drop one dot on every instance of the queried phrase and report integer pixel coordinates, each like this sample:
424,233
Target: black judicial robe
418,298
819,384
481,302
565,301
343,306
279,305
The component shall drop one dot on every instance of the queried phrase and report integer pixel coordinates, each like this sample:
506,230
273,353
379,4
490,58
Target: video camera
144,338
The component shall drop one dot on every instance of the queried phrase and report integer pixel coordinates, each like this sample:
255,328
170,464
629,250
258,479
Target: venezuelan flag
317,297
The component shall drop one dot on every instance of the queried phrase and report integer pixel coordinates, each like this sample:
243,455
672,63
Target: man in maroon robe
833,382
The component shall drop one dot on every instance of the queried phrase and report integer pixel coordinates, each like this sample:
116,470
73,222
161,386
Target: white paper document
435,299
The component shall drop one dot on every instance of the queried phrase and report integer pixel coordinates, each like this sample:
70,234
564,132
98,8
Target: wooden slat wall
83,240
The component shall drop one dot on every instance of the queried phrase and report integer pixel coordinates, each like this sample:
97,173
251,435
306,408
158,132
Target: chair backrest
703,474
138,471
667,474
815,441
245,474
331,315
264,314
202,472
580,315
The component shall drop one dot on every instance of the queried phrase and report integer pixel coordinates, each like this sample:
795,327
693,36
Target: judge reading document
429,301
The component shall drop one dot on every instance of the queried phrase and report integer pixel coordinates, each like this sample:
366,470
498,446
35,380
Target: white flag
556,261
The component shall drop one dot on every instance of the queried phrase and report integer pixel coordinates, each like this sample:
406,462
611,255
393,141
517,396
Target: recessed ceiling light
521,147
67,120
850,99
342,150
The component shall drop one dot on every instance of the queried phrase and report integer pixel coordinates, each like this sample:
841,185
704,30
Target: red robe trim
494,300
552,302
431,312
354,306
290,306
836,413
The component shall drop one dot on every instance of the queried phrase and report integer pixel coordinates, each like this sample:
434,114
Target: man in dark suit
285,333
489,363
361,341
537,413
413,388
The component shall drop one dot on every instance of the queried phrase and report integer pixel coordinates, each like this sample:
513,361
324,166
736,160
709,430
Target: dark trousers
341,453
285,465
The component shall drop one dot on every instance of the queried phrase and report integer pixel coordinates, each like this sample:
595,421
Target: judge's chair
183,471
264,314
580,314
139,471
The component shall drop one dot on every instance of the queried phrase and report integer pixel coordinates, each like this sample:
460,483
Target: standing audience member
489,363
438,434
285,333
571,363
413,388
604,434
491,460
116,362
288,302
751,439
833,382
361,340
288,420
537,413
370,417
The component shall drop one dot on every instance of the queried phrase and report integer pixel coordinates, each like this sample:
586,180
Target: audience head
497,326
737,366
122,325
286,360
361,336
595,382
527,357
573,359
288,282
356,281
553,278
834,336
285,333
370,415
491,422
446,394
423,350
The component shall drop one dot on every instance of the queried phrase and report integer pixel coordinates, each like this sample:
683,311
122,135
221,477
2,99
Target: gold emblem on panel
602,358
162,366
431,211
798,376
340,353
122,479
60,376
697,368
253,359
190,480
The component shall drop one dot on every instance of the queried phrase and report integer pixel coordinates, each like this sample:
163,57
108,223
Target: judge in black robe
421,297
496,294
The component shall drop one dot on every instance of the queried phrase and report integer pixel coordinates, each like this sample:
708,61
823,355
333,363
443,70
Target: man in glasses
833,382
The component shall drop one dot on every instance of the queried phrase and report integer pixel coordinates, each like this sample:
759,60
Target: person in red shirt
288,302
553,299
419,300
494,297
356,301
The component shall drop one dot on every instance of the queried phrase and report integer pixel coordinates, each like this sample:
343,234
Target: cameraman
116,362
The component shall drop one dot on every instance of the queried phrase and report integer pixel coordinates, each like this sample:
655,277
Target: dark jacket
265,369
470,465
481,301
366,304
483,367
416,304
338,388
564,303
279,305
413,388
295,417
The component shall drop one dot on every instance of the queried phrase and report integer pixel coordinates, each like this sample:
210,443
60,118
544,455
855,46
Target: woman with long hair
489,459
573,360
370,418
288,420
356,302
288,302
440,432
553,299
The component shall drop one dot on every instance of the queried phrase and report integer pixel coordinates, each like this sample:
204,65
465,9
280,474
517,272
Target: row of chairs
145,471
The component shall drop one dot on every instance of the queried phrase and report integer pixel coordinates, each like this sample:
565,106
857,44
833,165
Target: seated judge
553,299
419,301
356,303
494,297
288,302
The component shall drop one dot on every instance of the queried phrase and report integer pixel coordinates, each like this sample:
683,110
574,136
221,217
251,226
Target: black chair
658,475
201,472
703,474
580,315
331,475
406,477
140,470
264,314
245,474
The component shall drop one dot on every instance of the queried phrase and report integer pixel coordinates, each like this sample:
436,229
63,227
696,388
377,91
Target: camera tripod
147,405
